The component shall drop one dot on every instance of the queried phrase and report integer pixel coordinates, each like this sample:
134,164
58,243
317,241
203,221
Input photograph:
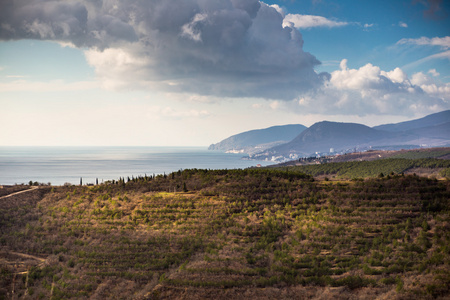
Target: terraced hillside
426,162
230,234
430,167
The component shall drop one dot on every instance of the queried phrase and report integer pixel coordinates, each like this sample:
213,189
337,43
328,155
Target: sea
61,165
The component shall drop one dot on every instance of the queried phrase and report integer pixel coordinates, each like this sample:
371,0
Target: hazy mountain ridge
259,139
334,137
323,136
327,137
440,131
427,121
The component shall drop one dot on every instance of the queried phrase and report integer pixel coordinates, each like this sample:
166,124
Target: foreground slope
229,234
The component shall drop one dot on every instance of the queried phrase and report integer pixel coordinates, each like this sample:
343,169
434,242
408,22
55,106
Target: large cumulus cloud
236,48
371,90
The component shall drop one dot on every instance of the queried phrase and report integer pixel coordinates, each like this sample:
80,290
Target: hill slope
255,140
427,121
324,135
440,131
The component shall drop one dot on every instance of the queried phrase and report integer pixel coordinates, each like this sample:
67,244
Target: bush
71,263
388,280
354,282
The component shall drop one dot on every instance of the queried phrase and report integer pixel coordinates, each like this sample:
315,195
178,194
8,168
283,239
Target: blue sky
372,31
190,73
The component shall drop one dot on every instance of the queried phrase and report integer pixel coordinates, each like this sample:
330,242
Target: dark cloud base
235,48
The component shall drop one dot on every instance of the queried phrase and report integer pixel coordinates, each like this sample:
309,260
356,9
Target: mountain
281,143
325,136
440,131
433,136
256,140
427,121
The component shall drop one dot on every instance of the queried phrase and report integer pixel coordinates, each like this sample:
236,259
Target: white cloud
310,21
402,24
427,82
442,55
433,72
365,78
278,9
343,64
443,42
114,65
397,75
445,54
430,86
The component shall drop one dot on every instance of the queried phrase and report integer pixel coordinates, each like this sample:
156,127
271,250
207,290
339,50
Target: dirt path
20,262
20,192
28,256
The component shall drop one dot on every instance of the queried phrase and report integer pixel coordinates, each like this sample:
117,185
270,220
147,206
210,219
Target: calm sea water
59,165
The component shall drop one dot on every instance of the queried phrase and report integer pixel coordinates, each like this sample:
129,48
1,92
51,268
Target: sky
193,72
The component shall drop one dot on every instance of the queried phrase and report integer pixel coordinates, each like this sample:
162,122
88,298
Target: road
20,192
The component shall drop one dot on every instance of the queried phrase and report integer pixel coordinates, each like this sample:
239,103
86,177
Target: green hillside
363,169
423,153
